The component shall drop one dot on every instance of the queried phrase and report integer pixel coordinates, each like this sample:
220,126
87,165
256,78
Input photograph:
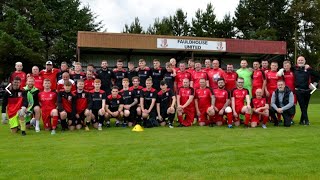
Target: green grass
163,153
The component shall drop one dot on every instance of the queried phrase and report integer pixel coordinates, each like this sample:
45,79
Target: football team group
207,96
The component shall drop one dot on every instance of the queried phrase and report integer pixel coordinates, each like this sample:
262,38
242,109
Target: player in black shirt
131,72
143,72
157,74
166,101
66,102
106,76
137,90
169,76
147,103
98,104
83,104
114,106
129,103
119,74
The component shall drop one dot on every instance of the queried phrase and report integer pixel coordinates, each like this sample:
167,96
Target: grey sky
114,14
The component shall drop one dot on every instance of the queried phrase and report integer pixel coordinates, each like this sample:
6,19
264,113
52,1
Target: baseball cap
49,63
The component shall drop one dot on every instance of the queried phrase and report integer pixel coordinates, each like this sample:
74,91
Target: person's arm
153,102
107,109
158,109
191,83
197,106
173,103
120,109
273,101
290,104
135,101
178,100
103,104
188,102
142,103
89,101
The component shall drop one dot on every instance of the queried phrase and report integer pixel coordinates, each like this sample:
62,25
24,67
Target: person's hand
160,118
221,112
77,116
235,114
267,93
179,108
127,107
306,66
279,110
257,110
198,113
173,75
4,118
280,72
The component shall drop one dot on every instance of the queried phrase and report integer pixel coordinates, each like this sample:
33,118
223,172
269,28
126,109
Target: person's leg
272,113
37,111
63,117
55,116
302,104
287,118
307,97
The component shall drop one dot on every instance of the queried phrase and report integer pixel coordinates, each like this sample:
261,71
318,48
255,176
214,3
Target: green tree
225,28
180,24
135,27
36,31
163,27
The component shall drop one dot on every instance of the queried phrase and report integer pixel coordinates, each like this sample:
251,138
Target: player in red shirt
214,74
190,66
230,78
258,79
239,96
15,105
65,77
265,66
38,80
222,104
204,103
260,109
89,81
271,81
197,75
114,106
181,74
83,105
174,63
185,104
50,73
48,103
19,73
207,65
66,106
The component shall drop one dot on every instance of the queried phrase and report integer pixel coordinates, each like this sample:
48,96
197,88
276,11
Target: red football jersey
272,80
204,97
213,76
51,75
221,96
89,84
196,76
190,70
180,76
230,79
289,80
265,70
38,82
184,94
258,77
239,96
21,75
257,103
48,100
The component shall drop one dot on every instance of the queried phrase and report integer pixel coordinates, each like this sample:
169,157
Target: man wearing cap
50,73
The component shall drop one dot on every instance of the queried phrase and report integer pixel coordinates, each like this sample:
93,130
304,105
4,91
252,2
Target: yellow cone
137,128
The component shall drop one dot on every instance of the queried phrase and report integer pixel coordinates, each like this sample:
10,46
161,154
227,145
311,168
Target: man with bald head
38,80
214,74
260,109
65,77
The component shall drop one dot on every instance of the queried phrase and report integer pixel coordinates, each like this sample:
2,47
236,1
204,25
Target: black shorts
80,120
95,112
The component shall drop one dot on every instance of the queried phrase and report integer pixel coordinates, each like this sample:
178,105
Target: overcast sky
114,14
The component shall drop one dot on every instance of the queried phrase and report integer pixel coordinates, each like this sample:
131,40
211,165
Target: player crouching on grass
240,95
83,104
15,105
147,104
66,107
33,108
129,103
114,106
260,109
185,104
222,104
166,101
204,101
48,104
98,104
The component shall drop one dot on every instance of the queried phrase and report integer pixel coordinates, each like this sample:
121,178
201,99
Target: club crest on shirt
50,95
129,93
83,95
150,94
145,72
69,98
100,95
19,94
167,94
118,102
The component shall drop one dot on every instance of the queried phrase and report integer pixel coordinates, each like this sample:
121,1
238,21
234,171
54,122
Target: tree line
295,21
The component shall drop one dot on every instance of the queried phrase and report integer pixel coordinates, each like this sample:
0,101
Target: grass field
164,153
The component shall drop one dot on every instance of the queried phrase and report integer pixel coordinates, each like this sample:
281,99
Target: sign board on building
189,44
